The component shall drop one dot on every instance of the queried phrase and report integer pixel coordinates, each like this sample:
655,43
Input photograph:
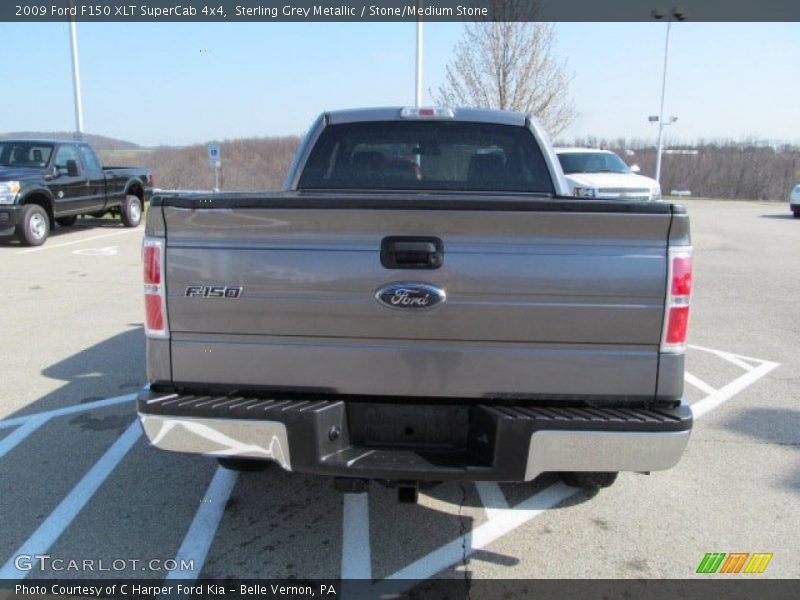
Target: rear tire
244,465
589,480
35,225
131,211
796,213
67,221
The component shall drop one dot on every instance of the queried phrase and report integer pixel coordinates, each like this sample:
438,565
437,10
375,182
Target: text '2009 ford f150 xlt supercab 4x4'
422,302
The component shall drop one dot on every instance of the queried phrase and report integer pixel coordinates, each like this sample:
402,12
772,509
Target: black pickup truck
44,182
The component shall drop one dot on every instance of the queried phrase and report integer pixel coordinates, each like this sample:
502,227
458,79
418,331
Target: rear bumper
447,442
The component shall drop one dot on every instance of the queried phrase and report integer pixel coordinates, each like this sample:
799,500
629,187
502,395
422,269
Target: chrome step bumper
458,442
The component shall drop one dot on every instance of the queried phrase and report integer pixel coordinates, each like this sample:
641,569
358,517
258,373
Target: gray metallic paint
564,303
157,359
670,377
416,368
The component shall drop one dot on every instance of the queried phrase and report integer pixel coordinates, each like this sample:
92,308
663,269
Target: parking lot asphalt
79,482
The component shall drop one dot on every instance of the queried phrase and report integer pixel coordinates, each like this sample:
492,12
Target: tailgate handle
412,252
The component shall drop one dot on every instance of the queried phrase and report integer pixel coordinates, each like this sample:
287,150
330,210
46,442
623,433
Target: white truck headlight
8,191
656,194
583,192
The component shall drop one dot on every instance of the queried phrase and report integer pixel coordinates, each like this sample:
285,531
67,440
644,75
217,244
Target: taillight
155,297
682,275
152,264
679,295
154,314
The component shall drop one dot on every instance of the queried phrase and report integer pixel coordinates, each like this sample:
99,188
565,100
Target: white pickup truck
601,174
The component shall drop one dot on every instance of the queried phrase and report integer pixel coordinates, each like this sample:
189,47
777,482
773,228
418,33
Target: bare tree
510,64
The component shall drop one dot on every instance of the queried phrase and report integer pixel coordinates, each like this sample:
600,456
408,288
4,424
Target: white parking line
492,497
698,383
67,410
58,520
727,355
736,359
728,391
505,521
81,241
203,529
356,556
12,439
107,251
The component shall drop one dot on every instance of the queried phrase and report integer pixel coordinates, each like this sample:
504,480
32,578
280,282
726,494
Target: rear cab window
89,158
427,155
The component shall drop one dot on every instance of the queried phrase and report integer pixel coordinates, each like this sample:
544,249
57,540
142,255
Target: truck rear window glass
89,159
427,155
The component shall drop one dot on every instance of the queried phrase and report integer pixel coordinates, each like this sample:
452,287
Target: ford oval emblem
410,296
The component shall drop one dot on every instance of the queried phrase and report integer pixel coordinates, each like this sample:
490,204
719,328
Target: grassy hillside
248,164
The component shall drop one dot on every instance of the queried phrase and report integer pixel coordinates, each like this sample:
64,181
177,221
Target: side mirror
72,168
635,168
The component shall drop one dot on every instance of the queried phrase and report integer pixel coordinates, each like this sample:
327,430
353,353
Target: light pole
418,88
661,124
76,77
661,112
678,15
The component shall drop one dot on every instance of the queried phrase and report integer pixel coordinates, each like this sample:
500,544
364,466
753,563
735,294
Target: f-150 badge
410,296
212,291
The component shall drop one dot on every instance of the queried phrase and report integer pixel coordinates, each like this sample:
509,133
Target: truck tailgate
541,303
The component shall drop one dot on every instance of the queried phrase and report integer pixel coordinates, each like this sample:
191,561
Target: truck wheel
589,480
244,464
131,211
796,214
35,225
67,221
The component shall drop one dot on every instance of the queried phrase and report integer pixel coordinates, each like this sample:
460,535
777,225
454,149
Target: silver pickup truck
421,303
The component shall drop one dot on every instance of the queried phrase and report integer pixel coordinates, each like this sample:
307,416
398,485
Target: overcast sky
165,83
